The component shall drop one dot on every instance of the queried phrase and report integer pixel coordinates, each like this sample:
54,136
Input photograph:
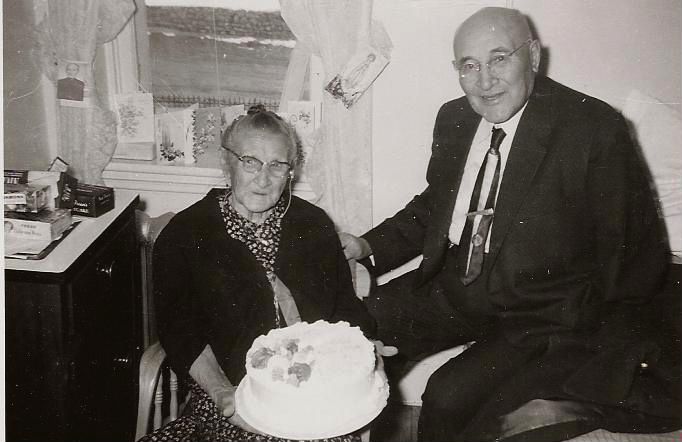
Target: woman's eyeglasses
251,164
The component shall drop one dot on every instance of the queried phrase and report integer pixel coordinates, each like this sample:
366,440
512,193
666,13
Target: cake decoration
310,381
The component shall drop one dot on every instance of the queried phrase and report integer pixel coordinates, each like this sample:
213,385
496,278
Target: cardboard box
26,198
16,177
62,185
47,224
93,200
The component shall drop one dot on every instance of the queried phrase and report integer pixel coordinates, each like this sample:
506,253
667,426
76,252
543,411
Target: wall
604,48
28,133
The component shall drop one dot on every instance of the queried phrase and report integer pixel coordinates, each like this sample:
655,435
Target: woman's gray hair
259,118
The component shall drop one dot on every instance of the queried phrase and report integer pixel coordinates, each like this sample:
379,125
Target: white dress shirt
477,153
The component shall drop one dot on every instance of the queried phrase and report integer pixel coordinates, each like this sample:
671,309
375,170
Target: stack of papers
24,248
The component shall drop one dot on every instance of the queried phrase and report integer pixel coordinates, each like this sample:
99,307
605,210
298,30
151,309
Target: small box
45,225
62,185
16,176
26,197
93,200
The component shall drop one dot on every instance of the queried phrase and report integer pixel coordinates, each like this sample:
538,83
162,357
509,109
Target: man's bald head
495,19
496,90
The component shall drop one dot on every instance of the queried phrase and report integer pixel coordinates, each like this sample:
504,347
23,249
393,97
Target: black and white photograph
71,86
342,221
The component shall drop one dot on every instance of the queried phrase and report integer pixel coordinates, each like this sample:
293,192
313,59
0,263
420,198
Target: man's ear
535,55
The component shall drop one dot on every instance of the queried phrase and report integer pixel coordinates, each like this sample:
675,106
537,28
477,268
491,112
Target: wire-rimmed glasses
497,64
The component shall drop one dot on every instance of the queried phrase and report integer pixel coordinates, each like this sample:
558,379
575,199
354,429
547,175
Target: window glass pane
217,52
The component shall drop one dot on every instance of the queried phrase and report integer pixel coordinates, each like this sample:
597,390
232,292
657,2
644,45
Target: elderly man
540,242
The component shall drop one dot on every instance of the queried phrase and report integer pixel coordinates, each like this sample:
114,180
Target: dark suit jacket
575,224
577,249
210,289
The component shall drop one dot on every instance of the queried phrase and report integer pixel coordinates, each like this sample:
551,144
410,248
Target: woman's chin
257,211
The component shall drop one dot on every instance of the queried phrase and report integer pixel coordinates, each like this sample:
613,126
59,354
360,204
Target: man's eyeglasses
497,64
251,164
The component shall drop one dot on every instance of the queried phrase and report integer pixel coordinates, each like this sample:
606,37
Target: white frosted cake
311,380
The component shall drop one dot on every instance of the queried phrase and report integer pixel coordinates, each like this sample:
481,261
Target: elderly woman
238,263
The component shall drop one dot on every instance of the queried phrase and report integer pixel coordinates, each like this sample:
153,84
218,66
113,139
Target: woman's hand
224,398
237,421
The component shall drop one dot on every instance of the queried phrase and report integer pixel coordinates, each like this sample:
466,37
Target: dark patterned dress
203,422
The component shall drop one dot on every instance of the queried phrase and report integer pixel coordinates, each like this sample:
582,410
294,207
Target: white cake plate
260,423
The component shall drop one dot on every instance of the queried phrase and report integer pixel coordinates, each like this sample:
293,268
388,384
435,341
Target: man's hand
384,350
381,351
354,247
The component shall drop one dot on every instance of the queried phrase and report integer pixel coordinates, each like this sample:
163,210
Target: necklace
271,278
262,240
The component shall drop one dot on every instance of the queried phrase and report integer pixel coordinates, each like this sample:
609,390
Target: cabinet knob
122,362
105,269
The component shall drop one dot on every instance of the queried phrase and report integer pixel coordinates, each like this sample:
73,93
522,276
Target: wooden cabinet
74,334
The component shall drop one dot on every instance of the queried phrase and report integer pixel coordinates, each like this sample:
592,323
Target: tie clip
481,212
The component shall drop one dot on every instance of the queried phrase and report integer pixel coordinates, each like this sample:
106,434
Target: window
214,53
232,52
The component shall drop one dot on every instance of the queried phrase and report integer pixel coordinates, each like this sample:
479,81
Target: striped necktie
482,208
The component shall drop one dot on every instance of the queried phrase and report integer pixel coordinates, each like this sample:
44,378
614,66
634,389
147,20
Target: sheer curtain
340,165
70,34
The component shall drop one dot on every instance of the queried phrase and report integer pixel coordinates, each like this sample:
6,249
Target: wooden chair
148,230
153,375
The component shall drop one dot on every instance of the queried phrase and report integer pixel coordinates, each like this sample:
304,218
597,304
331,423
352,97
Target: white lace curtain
70,33
340,165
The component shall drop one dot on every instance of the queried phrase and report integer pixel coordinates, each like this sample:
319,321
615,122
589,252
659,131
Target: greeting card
135,118
174,136
357,75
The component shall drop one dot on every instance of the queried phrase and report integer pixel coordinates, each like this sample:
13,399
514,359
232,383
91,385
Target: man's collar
511,124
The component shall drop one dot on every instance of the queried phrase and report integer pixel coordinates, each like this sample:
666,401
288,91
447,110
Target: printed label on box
15,198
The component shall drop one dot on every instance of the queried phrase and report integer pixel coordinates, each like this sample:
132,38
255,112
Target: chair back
148,229
150,405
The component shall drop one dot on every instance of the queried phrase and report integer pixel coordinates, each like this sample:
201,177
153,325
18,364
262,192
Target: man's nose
486,79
